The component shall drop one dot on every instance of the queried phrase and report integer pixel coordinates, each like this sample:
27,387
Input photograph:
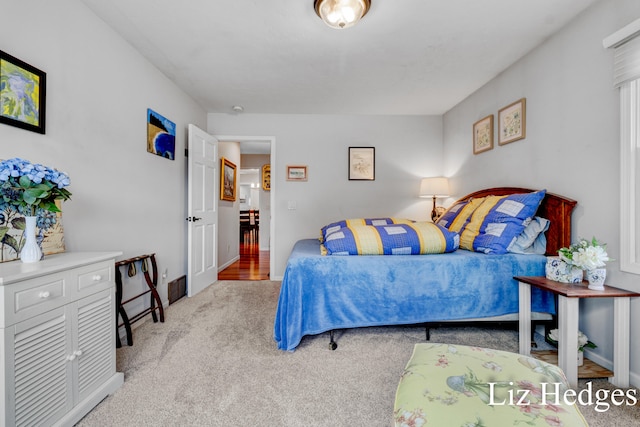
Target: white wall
407,149
571,146
229,212
98,92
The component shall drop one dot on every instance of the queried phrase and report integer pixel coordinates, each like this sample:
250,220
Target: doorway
254,261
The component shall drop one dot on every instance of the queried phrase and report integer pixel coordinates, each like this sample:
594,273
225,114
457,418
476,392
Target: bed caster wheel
333,346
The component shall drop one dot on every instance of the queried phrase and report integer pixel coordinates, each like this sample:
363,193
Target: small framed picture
483,135
297,173
23,94
512,122
228,180
266,177
161,135
362,163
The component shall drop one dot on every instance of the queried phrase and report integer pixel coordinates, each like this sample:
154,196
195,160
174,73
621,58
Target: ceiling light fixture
340,14
237,108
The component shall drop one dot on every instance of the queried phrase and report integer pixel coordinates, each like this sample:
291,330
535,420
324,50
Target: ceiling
413,57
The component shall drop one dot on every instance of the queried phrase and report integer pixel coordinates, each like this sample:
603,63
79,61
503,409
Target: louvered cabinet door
41,368
94,342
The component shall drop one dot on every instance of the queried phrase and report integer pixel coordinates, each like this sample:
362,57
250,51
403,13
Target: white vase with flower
31,189
591,256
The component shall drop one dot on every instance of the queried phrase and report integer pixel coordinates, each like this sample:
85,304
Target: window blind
626,56
626,62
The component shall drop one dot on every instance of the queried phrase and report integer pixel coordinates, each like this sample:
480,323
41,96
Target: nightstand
569,295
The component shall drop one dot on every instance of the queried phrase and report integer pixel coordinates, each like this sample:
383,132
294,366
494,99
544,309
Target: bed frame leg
332,343
427,333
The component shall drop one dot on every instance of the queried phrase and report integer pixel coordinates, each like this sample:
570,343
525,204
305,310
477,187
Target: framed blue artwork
22,94
161,135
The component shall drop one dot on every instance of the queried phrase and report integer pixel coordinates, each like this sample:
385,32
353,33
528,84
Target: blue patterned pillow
335,226
451,213
458,215
419,238
498,221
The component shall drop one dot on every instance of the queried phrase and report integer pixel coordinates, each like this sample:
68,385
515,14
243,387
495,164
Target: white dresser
58,351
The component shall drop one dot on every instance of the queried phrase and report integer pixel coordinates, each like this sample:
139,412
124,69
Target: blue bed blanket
320,293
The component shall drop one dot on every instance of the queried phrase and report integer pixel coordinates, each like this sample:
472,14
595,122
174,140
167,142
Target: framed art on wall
266,177
362,163
483,135
296,173
228,180
512,122
161,135
22,94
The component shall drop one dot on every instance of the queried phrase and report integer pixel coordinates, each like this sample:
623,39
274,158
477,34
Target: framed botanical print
296,173
483,135
22,94
228,179
362,163
512,122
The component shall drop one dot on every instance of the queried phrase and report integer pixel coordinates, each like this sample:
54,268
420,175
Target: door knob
193,218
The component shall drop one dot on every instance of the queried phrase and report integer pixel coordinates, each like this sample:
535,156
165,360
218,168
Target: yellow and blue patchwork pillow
458,215
451,213
335,226
418,238
498,221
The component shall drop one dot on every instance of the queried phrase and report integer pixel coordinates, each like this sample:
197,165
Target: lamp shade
341,14
434,187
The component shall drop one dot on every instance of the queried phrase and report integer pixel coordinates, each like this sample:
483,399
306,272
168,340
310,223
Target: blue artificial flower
38,192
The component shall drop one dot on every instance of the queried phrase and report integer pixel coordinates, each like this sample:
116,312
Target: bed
321,293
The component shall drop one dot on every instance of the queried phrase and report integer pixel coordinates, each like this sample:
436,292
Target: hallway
252,265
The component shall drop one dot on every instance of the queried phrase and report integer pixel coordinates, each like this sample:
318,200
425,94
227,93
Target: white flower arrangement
585,254
583,340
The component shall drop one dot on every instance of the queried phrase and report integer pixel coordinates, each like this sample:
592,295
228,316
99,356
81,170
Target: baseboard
122,332
228,263
634,378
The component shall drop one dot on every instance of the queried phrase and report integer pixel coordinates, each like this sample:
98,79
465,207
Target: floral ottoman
457,385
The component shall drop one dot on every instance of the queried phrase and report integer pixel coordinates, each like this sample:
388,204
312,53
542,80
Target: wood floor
252,265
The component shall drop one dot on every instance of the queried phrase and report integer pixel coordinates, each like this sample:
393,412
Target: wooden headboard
557,209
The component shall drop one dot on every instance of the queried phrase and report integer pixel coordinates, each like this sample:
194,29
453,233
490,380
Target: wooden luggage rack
155,304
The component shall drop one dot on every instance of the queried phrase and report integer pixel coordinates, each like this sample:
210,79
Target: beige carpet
214,363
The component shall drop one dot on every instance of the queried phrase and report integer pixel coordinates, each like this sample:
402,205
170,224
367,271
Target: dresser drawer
24,300
39,295
94,278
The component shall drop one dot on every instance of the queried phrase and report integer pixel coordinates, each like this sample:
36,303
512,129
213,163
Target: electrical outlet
165,274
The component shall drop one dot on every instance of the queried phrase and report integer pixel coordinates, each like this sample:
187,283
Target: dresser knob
44,294
97,277
74,355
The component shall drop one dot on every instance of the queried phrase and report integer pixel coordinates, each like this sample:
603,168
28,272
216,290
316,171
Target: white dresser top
15,271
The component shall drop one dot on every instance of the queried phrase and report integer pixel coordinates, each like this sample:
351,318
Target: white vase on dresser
58,334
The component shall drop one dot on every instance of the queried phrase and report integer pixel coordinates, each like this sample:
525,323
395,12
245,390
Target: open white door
202,210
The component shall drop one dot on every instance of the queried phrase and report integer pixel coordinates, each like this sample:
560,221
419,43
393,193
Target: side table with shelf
569,295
